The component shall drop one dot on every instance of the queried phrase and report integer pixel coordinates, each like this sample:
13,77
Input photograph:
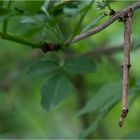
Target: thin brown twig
101,27
126,66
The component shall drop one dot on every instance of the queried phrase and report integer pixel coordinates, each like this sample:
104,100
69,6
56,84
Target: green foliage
105,98
101,103
55,90
43,67
77,7
58,86
94,22
102,5
58,22
34,8
79,65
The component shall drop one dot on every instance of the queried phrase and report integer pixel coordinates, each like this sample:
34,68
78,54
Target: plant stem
59,33
5,25
57,30
81,20
19,40
5,22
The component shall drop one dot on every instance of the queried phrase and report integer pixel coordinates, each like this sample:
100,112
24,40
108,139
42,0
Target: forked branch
108,22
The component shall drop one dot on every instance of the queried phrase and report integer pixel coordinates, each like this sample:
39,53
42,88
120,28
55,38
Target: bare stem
126,66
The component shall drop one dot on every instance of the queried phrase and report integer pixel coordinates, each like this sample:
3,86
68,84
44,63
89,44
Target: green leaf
28,20
101,103
79,65
33,31
104,101
34,6
102,5
54,91
94,22
76,7
56,20
70,11
106,97
48,34
42,67
55,8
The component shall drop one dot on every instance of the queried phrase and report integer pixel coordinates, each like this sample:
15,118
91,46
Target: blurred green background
21,114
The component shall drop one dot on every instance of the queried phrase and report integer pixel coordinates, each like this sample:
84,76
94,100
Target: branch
99,28
126,66
19,40
117,15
